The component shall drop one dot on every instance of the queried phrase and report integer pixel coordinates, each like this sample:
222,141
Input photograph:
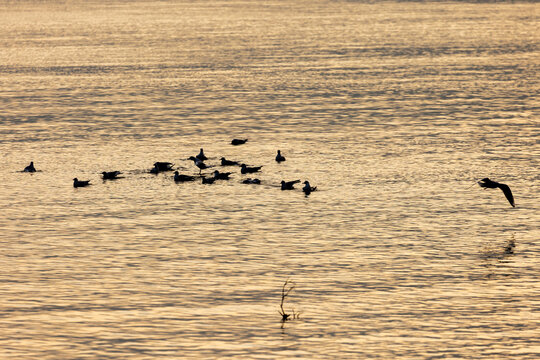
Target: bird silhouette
163,166
30,168
201,156
181,178
251,181
490,184
247,169
225,162
199,163
307,189
110,175
221,176
279,157
288,185
77,183
238,141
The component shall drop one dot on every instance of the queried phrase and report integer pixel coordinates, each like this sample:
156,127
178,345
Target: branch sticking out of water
288,286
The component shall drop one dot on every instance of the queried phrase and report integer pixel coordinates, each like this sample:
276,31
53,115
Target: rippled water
393,110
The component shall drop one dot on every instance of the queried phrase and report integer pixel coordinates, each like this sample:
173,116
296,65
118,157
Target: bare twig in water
288,286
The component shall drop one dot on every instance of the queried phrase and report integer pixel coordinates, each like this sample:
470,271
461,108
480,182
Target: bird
221,176
30,168
251,181
154,170
307,189
279,157
77,183
110,175
163,166
487,183
199,163
209,180
201,156
288,185
225,162
238,141
247,169
181,178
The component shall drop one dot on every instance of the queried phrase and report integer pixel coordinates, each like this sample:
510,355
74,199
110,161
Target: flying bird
288,185
279,157
110,175
487,183
249,169
77,183
238,141
307,189
181,178
30,168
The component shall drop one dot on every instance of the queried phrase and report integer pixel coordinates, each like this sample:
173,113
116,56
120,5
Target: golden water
393,110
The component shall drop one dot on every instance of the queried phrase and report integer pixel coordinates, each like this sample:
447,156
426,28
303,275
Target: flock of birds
198,161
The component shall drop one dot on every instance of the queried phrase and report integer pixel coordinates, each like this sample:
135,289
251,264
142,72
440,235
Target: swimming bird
30,168
201,156
163,166
198,163
238,141
249,169
221,176
225,162
279,157
154,170
110,175
288,185
487,183
181,177
77,183
209,180
307,189
251,181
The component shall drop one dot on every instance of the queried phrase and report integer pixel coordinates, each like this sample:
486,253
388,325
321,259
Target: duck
288,185
181,178
307,189
78,183
238,141
201,156
221,176
279,157
490,184
30,168
225,162
251,181
110,175
249,169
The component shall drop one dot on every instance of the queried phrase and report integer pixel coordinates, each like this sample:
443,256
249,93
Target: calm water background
393,110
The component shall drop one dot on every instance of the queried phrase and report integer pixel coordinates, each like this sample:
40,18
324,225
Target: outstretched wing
508,193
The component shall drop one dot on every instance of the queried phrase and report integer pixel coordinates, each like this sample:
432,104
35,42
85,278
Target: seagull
238,141
225,162
181,178
201,156
247,170
221,176
288,185
77,183
279,157
307,189
110,175
487,183
251,181
30,168
206,180
163,166
199,163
